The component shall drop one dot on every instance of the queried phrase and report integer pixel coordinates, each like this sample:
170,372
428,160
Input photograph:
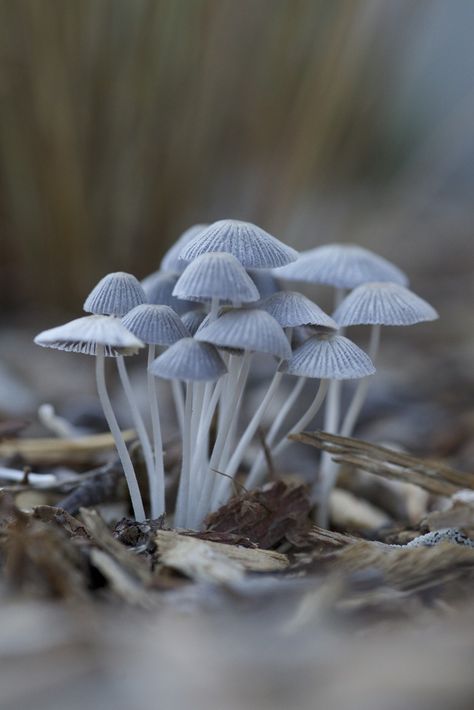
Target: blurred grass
122,122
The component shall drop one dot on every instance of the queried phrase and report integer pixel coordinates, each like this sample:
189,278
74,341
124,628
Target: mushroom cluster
214,305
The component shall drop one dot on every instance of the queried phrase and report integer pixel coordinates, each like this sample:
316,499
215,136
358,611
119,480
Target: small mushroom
159,288
251,245
115,295
101,336
155,326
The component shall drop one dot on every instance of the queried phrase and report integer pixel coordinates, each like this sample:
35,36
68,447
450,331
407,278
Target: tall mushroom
101,336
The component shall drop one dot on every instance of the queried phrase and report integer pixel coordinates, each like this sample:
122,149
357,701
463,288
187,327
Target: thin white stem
139,425
238,368
196,417
360,393
258,469
157,490
122,450
183,488
178,397
299,426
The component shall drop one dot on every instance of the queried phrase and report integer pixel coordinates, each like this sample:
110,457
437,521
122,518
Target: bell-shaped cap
251,245
171,262
265,281
216,275
155,325
115,295
189,360
159,288
341,266
247,329
83,335
330,357
292,309
192,320
383,304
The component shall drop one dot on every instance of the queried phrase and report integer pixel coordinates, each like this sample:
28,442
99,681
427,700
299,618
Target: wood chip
212,561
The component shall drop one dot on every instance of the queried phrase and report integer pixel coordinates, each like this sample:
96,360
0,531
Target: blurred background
122,123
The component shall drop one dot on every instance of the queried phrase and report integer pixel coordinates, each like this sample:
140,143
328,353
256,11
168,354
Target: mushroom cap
115,295
383,304
330,357
216,275
342,266
292,309
189,360
83,335
192,320
155,325
247,329
171,262
251,245
159,288
265,281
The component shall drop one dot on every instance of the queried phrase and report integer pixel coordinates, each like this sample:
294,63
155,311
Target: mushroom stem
238,371
258,469
245,439
140,429
178,397
122,450
360,393
196,416
158,497
183,488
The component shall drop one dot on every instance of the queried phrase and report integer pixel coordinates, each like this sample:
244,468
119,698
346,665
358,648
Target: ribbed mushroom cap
159,288
216,275
83,335
155,325
251,245
171,262
247,329
342,266
383,304
330,357
292,309
265,281
189,360
115,295
192,320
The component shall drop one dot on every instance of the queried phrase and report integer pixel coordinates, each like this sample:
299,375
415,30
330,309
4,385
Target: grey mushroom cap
115,295
155,325
247,329
84,335
265,281
189,360
383,304
216,275
292,309
342,266
171,262
192,320
159,288
251,245
330,357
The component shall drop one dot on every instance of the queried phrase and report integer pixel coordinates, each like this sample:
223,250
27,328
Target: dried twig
433,476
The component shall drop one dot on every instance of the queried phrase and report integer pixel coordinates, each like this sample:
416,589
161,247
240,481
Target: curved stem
122,450
157,495
360,393
258,469
246,438
139,426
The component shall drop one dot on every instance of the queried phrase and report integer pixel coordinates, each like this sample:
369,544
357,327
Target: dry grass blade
212,561
60,451
433,476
